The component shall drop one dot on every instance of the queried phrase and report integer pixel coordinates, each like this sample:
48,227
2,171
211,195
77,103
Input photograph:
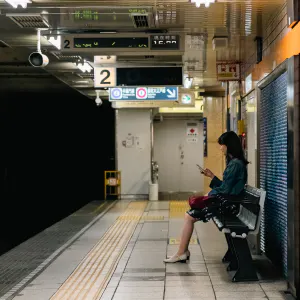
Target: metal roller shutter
273,170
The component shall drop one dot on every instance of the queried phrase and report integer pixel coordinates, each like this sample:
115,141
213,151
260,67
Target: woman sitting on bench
234,180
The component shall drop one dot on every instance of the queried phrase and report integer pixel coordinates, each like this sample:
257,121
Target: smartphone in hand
201,169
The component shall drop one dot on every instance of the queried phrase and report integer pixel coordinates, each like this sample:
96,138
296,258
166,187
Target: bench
238,217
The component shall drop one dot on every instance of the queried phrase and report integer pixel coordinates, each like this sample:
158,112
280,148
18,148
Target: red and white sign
227,71
141,93
192,131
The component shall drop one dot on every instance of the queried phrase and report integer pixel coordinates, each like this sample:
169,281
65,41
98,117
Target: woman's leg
186,234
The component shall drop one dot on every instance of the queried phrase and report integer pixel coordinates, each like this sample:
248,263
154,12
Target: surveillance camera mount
39,41
38,59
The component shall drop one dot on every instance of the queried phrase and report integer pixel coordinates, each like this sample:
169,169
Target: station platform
117,253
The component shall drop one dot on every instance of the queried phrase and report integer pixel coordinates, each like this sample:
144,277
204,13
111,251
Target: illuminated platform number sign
165,42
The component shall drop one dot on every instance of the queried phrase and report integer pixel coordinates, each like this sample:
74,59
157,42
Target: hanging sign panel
118,43
164,42
228,71
167,77
70,42
104,77
143,93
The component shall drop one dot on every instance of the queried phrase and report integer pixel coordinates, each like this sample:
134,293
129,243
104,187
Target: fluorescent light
16,3
205,2
84,67
198,108
55,41
81,81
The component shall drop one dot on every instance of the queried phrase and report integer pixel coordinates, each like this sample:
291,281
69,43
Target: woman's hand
209,173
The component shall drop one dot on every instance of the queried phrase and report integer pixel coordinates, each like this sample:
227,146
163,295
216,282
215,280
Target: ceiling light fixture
205,2
84,67
16,3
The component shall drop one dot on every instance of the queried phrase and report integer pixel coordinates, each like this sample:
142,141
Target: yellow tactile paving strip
90,278
144,218
178,208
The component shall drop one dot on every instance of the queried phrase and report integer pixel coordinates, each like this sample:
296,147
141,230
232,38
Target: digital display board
150,76
110,42
165,42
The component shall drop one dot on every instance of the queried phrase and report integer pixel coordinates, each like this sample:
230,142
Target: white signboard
192,131
192,140
248,83
104,77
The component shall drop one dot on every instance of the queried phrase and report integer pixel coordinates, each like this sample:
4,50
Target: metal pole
151,144
39,40
227,107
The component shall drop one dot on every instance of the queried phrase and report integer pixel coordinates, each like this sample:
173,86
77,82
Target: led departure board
110,42
165,42
149,76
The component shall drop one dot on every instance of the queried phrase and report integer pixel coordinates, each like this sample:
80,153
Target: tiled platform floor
95,267
20,262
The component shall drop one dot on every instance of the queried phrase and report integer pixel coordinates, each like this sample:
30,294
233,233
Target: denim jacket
234,179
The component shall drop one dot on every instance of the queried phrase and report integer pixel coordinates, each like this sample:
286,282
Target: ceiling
240,20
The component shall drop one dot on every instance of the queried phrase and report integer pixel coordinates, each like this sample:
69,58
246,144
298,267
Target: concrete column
215,112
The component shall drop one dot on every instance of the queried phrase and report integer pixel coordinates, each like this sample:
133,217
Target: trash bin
153,191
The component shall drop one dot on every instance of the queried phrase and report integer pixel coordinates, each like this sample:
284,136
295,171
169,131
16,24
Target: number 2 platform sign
104,77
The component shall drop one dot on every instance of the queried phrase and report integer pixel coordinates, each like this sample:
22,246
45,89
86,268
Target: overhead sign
111,42
157,103
136,43
165,42
228,71
104,77
143,93
186,99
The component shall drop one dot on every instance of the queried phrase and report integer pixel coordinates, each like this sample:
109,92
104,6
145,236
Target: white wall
177,173
134,159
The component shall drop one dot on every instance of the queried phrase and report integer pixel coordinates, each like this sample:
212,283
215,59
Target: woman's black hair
234,146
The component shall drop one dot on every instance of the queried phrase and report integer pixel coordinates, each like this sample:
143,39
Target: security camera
98,99
37,59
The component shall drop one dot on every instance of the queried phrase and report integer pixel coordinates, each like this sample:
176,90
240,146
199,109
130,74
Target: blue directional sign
143,93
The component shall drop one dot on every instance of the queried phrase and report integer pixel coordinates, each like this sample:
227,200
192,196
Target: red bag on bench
198,202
